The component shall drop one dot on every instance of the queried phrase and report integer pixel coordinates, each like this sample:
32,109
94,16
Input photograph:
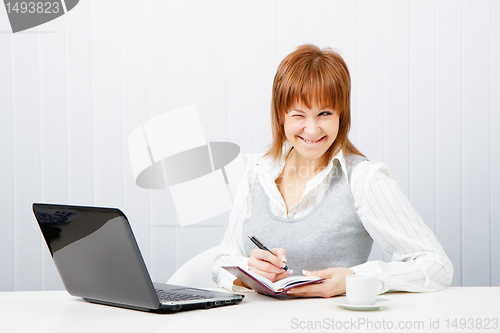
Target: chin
310,156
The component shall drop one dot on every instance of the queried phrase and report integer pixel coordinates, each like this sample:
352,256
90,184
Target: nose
312,128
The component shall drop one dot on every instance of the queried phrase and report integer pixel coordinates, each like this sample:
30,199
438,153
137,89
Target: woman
318,202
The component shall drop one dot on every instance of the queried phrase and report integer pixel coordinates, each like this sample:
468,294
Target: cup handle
382,287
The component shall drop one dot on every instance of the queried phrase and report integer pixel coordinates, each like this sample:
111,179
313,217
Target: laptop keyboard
168,296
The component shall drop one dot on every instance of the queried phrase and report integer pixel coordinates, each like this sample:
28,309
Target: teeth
311,141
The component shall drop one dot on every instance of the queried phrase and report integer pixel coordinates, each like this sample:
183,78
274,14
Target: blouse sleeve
417,260
231,249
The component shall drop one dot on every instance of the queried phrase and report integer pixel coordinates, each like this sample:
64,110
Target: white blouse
417,260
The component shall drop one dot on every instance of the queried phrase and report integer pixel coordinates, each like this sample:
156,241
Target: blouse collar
267,165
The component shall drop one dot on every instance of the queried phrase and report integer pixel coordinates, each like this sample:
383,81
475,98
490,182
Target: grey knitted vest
331,235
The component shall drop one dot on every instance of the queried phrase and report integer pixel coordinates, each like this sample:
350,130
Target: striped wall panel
425,100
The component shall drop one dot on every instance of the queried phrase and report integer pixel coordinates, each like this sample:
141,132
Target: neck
298,166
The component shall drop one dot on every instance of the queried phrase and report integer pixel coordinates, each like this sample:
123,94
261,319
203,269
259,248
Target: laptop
98,259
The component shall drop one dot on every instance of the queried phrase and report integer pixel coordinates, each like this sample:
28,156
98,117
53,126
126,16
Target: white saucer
342,301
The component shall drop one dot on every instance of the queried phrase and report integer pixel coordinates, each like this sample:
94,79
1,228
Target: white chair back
197,272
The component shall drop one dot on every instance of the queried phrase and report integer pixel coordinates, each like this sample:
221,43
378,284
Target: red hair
311,76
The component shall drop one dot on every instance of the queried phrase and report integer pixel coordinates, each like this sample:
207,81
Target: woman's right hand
267,264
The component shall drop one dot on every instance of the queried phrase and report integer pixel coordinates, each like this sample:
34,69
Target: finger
268,275
282,275
267,256
314,290
263,265
307,291
325,273
280,253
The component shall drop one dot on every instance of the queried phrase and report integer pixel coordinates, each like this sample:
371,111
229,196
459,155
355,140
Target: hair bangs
310,85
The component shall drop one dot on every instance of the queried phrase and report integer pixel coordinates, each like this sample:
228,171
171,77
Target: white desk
57,311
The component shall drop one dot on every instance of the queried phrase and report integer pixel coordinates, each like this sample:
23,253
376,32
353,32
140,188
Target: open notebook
264,286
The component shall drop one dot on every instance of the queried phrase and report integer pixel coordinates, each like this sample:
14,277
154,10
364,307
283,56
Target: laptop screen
96,254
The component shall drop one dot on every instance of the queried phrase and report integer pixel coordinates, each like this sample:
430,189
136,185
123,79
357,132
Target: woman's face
311,131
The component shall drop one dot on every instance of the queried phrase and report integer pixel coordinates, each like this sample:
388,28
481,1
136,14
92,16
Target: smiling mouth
311,141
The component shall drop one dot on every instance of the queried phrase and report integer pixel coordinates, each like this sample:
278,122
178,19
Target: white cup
362,290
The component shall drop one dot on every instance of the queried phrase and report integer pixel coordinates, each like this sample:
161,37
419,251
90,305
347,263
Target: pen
261,246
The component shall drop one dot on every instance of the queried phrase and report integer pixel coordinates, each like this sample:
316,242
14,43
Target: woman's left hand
333,285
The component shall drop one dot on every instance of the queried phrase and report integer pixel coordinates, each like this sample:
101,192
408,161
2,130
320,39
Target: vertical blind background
425,100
